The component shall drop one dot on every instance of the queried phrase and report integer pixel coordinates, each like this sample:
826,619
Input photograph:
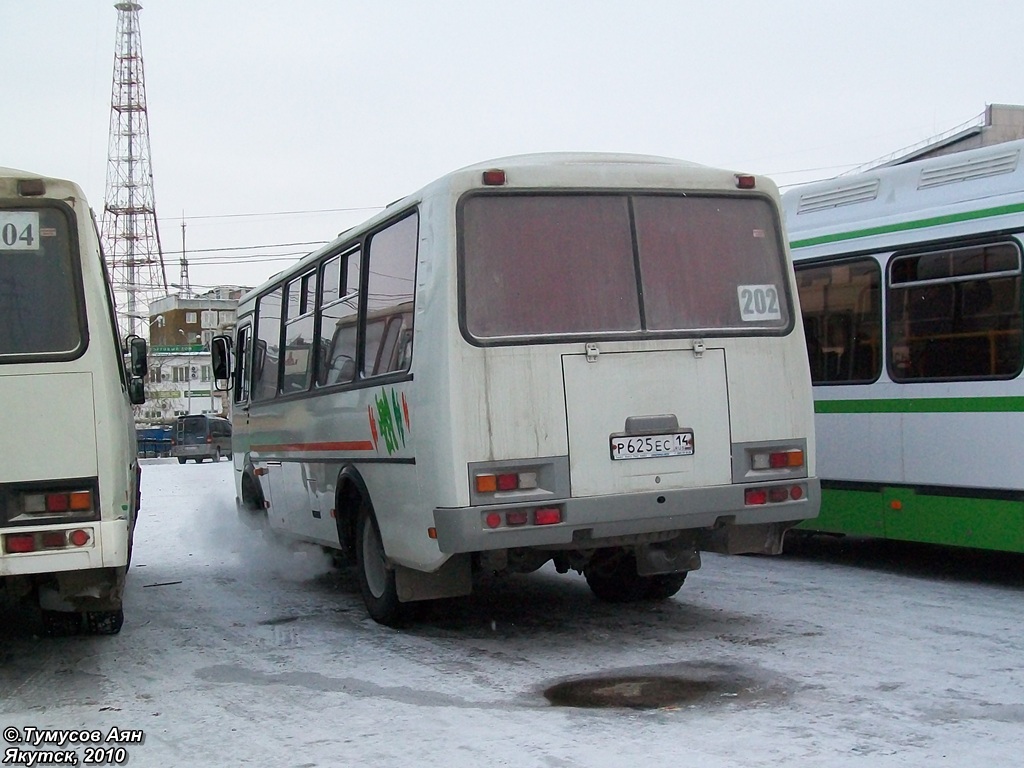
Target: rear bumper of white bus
107,547
585,522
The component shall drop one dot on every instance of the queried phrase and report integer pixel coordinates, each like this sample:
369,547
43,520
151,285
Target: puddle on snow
668,686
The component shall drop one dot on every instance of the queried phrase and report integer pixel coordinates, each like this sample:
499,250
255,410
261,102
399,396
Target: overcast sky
330,108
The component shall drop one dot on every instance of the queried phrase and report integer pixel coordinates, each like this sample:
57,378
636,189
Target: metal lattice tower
130,235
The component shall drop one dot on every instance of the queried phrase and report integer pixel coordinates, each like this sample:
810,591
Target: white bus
69,476
587,359
910,286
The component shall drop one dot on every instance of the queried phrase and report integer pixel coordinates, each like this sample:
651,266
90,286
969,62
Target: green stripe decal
935,221
923,405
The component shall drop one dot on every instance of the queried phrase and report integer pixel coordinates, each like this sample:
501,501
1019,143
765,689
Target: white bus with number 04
586,359
69,476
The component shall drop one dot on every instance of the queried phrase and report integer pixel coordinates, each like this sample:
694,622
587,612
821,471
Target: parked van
201,437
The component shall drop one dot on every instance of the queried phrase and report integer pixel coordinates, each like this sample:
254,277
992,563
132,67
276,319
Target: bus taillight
776,494
505,481
514,518
79,537
19,542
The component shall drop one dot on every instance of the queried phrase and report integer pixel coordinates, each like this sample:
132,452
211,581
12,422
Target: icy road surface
239,651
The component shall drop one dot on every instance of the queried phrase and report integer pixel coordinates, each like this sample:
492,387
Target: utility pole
129,226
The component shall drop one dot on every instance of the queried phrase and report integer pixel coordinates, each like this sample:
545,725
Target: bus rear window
39,307
548,265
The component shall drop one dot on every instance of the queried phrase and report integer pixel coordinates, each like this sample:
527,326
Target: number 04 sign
759,302
19,231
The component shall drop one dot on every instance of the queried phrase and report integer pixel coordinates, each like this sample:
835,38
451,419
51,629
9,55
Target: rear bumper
107,548
193,451
586,521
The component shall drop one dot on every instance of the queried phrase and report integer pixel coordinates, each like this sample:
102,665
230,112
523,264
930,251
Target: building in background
998,123
180,381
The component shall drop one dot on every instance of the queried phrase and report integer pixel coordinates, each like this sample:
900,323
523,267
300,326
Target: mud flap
453,579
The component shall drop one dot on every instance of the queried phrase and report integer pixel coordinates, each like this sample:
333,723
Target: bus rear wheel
376,577
612,577
104,622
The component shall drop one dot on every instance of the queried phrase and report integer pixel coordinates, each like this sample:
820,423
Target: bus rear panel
70,478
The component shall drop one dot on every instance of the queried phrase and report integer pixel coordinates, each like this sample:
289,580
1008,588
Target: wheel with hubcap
376,576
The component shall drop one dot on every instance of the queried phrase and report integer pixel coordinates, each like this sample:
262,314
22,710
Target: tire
181,459
104,622
216,456
376,576
664,585
612,577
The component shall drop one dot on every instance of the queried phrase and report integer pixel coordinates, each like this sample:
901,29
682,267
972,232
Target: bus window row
348,318
951,314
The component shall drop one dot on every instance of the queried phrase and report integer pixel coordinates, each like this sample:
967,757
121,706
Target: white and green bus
910,286
589,359
69,476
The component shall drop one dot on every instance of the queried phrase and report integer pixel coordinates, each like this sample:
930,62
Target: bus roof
55,187
978,180
578,170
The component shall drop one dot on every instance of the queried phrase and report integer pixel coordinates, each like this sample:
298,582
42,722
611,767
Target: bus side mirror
137,355
136,391
220,360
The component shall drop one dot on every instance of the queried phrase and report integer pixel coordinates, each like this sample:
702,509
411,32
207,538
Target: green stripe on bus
935,221
923,405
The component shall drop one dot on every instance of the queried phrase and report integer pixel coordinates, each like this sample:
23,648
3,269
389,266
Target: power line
272,213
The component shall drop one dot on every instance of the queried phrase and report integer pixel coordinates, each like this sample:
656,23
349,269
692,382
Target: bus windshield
553,264
35,262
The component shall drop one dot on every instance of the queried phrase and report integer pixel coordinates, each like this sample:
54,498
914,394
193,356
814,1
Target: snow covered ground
237,650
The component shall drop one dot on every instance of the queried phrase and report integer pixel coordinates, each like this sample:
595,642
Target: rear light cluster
775,494
38,503
57,503
41,541
492,482
769,459
517,518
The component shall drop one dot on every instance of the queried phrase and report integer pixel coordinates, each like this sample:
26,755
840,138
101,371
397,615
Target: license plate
652,446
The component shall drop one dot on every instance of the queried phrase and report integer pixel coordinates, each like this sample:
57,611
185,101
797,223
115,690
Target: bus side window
266,360
337,321
392,274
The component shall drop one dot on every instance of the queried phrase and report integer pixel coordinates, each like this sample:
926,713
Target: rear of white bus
68,470
631,375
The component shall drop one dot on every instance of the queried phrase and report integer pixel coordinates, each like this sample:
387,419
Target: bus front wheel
376,577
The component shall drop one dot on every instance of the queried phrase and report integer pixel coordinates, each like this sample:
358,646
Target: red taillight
517,517
209,438
547,516
54,540
57,502
745,181
508,482
495,177
20,543
776,495
493,520
753,496
796,493
79,537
